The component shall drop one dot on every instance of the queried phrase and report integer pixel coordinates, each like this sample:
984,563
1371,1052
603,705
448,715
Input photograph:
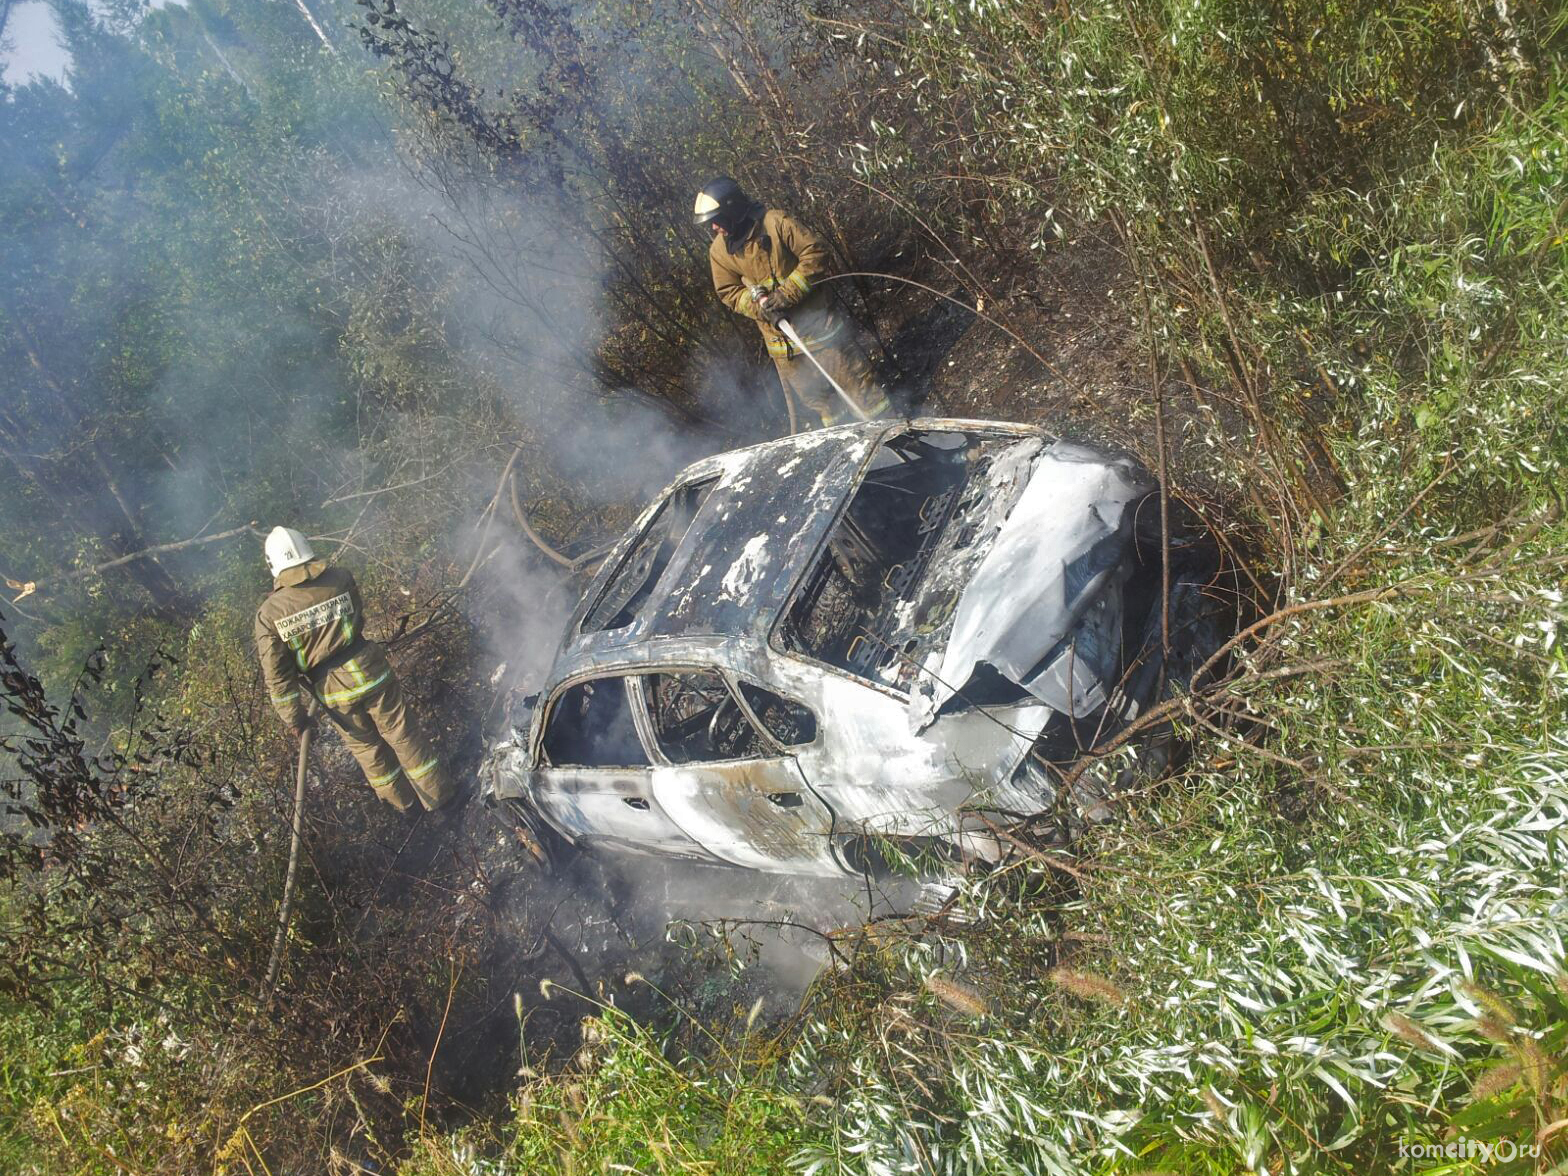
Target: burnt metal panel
753,536
739,557
1059,553
756,813
1013,559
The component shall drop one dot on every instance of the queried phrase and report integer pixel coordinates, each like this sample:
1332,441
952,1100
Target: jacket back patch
317,616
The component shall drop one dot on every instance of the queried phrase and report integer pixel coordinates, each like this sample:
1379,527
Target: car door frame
748,790
558,789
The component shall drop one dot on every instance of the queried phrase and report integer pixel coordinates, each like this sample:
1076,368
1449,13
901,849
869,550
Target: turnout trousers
847,364
396,757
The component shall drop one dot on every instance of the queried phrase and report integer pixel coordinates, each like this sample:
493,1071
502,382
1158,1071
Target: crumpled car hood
1035,609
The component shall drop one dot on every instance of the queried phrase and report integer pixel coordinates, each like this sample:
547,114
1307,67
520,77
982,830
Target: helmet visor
706,210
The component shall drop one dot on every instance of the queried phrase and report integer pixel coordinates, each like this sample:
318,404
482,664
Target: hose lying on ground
278,940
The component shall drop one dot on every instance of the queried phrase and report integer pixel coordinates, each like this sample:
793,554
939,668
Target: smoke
31,48
777,931
523,315
285,309
531,319
521,319
529,308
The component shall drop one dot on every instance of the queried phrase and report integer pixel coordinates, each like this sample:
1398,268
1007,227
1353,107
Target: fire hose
759,294
790,333
281,938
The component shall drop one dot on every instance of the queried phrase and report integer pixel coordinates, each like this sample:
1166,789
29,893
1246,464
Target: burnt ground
944,360
1080,370
526,952
529,952
428,906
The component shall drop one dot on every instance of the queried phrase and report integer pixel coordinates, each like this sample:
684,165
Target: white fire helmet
287,548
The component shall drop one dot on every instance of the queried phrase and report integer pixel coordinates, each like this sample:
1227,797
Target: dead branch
1185,703
297,835
315,26
977,311
389,489
1351,560
1031,852
1242,743
27,588
482,525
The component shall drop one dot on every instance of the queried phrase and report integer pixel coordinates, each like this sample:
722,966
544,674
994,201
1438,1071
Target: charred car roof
717,554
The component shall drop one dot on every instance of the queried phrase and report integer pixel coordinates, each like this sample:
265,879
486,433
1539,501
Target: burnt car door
732,788
595,780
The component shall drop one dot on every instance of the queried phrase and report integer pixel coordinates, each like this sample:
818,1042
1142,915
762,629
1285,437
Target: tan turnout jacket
309,637
782,255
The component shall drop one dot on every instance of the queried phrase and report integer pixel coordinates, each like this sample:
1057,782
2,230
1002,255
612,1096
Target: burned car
884,633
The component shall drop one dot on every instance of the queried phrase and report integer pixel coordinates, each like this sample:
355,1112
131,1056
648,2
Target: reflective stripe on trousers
398,760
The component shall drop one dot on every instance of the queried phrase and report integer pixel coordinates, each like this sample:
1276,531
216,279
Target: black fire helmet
724,201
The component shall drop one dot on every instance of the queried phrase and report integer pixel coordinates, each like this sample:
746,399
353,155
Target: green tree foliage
1334,936
138,895
1259,164
207,319
216,310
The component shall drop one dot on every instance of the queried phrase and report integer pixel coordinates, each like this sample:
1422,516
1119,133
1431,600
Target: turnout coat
786,258
309,635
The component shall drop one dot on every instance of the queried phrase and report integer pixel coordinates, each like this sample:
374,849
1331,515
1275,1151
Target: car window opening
636,576
591,726
853,610
787,721
697,720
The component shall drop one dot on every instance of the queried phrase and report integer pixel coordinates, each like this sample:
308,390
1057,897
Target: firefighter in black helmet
766,266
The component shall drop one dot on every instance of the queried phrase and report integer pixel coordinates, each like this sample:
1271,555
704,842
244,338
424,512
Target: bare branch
27,588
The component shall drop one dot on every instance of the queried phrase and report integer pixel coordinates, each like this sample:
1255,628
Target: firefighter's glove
305,724
772,305
786,296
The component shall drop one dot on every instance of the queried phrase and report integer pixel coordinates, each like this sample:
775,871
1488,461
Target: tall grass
625,1105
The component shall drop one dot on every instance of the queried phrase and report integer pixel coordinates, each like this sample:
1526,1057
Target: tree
206,315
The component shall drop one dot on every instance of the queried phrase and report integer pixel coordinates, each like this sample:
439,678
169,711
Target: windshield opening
855,607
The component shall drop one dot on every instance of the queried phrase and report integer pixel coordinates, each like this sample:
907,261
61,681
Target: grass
1333,941
625,1106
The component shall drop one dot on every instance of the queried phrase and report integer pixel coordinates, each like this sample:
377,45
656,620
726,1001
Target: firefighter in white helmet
310,637
767,265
